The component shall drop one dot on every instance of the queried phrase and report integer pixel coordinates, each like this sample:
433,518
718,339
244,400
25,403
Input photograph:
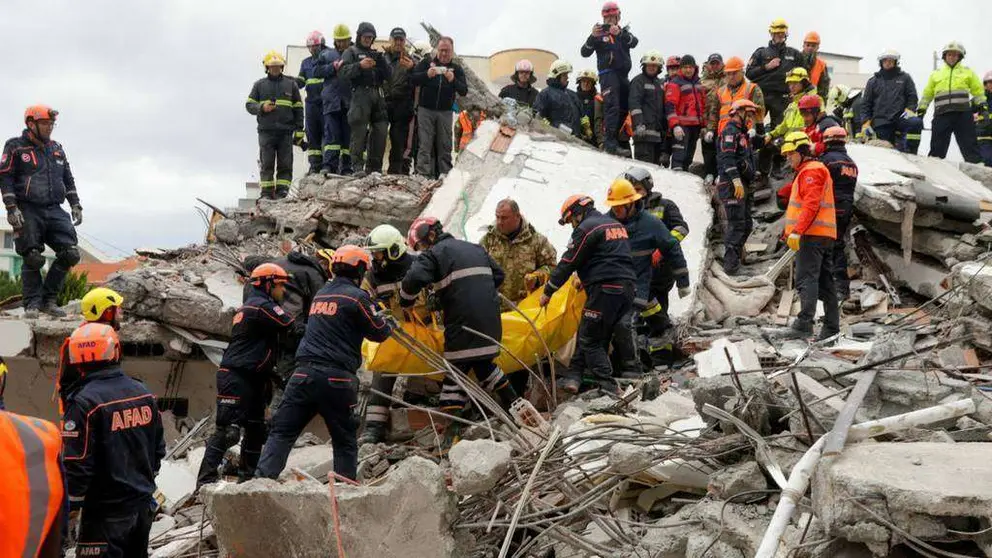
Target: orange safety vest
817,71
825,222
31,493
468,130
727,98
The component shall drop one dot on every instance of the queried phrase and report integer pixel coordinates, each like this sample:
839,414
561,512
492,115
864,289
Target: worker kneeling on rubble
113,447
600,253
810,230
342,315
244,383
465,279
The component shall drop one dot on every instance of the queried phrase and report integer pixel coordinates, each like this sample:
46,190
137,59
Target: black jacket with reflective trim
36,174
285,93
598,251
255,335
646,233
843,171
465,279
647,108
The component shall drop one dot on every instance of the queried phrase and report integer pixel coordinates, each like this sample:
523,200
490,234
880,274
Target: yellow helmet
621,192
796,75
587,74
326,255
793,140
341,32
273,58
98,301
778,26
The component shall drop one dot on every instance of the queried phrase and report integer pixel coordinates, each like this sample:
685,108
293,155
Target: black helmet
687,60
365,28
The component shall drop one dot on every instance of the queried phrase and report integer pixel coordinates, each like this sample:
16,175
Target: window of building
8,241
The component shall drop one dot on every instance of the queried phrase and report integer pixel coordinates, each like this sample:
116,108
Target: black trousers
709,156
369,126
121,536
606,306
647,151
315,134
241,401
615,90
275,153
44,225
775,104
400,122
378,409
962,125
738,226
815,281
685,149
333,394
844,209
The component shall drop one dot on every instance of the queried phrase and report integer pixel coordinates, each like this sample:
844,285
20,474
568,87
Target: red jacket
685,102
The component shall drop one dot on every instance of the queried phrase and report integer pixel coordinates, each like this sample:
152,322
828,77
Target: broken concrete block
180,542
162,525
315,461
176,482
701,545
742,477
15,338
714,361
665,409
227,231
478,465
568,414
629,459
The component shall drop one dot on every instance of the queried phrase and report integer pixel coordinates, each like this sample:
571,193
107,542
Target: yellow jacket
792,120
952,89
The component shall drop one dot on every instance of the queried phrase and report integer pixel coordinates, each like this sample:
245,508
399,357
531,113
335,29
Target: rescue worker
335,97
525,255
599,252
844,173
367,71
889,102
647,109
521,86
35,180
671,70
817,68
341,317
244,386
736,88
984,124
685,107
557,104
714,77
768,68
792,120
816,120
810,231
399,102
957,92
592,107
100,305
672,66
612,45
314,109
276,103
846,106
737,170
32,493
439,79
466,125
113,446
465,280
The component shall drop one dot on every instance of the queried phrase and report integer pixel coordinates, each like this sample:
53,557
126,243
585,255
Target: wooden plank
784,307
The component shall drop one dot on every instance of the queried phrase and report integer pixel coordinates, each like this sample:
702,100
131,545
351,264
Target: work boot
793,332
281,192
267,194
569,385
375,433
49,307
826,334
31,312
666,160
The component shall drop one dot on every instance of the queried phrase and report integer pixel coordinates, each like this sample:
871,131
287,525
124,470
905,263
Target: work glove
640,131
921,112
535,279
738,188
545,299
577,283
793,242
708,138
586,128
908,113
679,133
752,132
867,130
685,291
15,218
77,215
299,139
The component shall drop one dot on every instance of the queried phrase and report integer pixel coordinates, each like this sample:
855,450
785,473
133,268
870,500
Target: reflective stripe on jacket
951,88
724,98
811,202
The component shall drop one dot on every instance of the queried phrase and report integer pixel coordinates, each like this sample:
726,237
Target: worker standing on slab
984,124
35,181
958,101
612,45
816,120
844,173
819,76
599,252
335,97
314,113
768,68
525,255
810,231
367,71
244,383
399,102
890,102
556,104
276,102
647,109
685,107
521,86
592,107
342,316
714,77
32,493
671,71
737,171
114,445
440,79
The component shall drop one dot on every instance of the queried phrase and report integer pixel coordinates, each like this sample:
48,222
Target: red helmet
809,102
834,134
39,112
420,228
269,273
315,38
94,342
351,255
573,203
673,62
611,8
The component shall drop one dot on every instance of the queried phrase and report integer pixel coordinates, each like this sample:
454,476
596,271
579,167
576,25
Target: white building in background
845,69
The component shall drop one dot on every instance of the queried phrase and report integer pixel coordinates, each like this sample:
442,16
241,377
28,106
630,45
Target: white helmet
559,68
386,238
653,57
523,66
987,77
889,54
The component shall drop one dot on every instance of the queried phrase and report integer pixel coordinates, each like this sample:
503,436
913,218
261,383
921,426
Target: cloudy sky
152,94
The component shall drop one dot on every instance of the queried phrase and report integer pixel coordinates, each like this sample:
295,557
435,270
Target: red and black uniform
341,317
816,129
685,106
244,384
113,445
735,159
599,252
844,172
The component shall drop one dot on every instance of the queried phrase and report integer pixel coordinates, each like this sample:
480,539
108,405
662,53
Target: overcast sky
152,94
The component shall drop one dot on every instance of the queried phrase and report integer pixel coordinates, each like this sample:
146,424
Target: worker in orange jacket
810,231
466,125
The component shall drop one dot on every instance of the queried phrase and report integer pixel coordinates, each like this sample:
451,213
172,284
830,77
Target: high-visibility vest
817,71
468,130
727,98
31,493
825,222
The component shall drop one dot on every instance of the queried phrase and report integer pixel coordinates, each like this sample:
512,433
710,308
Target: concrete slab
713,361
15,338
224,285
177,482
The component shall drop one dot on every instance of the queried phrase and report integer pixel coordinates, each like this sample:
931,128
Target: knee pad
67,257
33,260
232,435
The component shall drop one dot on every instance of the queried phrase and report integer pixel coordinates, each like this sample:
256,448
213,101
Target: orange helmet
744,105
351,255
94,342
812,37
834,134
734,64
269,273
573,203
39,112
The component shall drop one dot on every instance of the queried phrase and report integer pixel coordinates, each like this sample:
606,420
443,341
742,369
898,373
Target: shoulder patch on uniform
728,138
809,180
69,425
278,310
25,157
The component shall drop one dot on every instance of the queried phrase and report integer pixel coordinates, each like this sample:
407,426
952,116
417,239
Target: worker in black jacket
113,445
244,383
599,252
399,102
889,105
768,67
844,173
439,79
367,71
558,105
736,170
611,44
647,109
521,88
276,102
325,383
465,280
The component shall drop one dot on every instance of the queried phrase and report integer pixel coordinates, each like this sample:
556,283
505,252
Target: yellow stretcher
557,324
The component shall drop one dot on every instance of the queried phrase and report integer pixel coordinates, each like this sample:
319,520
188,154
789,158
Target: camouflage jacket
529,251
